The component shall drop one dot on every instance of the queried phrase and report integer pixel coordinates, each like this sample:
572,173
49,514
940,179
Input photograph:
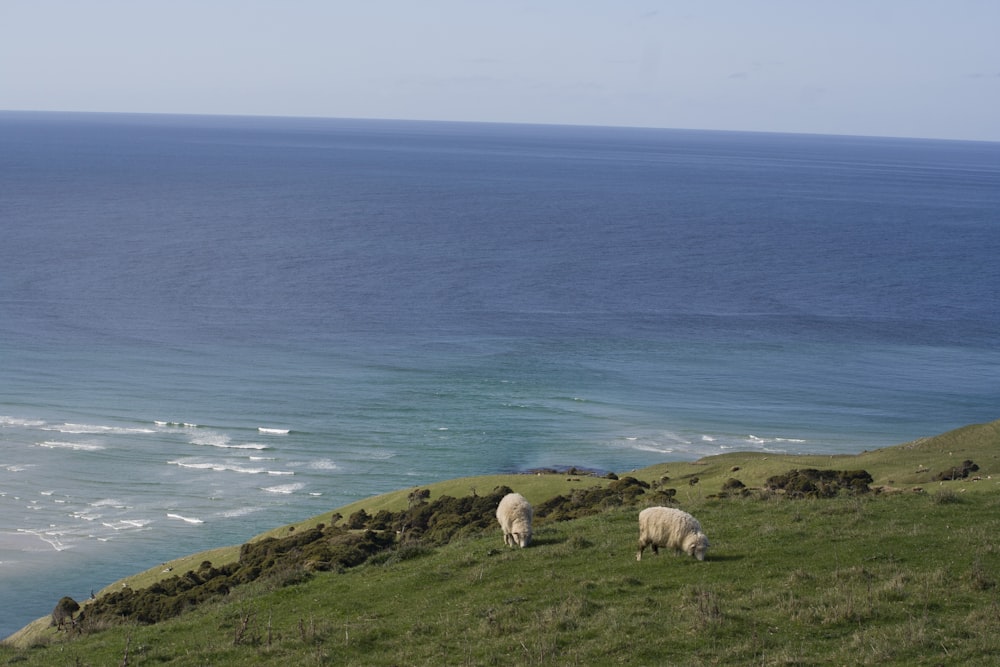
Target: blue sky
916,68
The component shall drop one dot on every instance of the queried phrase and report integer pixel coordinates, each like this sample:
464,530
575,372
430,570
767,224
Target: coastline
909,467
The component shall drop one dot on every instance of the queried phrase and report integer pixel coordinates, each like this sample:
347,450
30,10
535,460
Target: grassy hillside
905,576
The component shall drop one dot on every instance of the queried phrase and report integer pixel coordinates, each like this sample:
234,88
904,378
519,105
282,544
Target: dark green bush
956,472
813,483
733,487
584,502
358,520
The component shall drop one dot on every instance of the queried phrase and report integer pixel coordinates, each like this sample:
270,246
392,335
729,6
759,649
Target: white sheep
514,514
672,529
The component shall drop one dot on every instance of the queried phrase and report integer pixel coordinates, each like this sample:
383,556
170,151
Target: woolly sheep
514,514
672,529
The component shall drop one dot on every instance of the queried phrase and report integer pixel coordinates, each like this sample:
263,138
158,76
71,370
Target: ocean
212,326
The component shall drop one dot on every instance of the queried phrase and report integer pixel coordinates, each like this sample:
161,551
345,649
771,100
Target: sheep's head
523,539
696,545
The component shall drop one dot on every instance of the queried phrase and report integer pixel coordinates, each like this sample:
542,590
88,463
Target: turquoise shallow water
212,326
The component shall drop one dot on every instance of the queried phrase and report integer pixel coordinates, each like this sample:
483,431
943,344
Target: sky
911,68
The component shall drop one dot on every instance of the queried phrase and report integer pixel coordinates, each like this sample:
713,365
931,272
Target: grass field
906,576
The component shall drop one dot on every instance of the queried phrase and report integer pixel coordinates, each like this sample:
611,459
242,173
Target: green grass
897,578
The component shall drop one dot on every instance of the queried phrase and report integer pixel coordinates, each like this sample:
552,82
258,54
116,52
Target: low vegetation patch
588,501
812,483
434,522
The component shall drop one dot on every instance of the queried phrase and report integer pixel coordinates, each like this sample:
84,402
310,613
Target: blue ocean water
211,326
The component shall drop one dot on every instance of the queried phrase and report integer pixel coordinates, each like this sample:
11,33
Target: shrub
734,487
584,502
812,483
957,472
358,520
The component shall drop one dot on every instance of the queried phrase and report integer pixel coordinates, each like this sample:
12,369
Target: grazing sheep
672,529
514,514
62,615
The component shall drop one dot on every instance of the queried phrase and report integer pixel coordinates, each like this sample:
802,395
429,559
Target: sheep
672,529
62,615
514,514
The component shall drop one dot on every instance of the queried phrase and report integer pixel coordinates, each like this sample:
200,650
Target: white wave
240,511
79,446
126,524
222,442
762,441
184,518
110,502
707,438
211,440
262,458
24,423
323,464
221,466
273,431
15,467
665,442
81,429
284,488
175,424
653,447
218,467
50,538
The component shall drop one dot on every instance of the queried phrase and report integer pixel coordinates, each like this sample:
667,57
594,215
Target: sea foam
126,524
78,446
78,429
221,466
284,488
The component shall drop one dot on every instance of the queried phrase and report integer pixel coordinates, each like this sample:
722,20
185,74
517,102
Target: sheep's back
514,508
666,525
